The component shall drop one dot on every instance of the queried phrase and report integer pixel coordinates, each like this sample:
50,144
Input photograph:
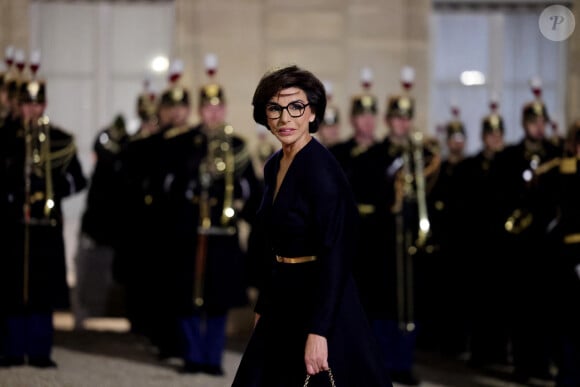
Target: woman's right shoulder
270,164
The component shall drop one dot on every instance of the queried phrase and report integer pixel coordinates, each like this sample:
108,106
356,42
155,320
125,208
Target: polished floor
105,354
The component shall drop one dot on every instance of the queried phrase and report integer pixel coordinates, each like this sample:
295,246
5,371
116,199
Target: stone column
573,76
14,25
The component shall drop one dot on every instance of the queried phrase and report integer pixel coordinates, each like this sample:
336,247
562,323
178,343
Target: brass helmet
455,127
331,114
14,76
211,93
5,74
537,107
403,105
175,94
364,102
146,102
32,91
533,110
493,122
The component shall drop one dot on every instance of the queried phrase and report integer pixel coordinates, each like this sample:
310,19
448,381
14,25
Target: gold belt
572,238
309,258
365,209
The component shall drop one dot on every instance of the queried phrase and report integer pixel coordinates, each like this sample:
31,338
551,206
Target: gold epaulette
547,166
432,144
140,135
572,239
112,146
569,165
358,150
174,132
66,149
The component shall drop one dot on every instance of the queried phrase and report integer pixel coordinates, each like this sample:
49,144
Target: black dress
313,214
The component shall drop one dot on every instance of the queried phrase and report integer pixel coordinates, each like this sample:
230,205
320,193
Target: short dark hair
291,76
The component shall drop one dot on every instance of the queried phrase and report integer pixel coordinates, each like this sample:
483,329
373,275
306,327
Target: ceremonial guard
39,168
560,178
329,131
15,62
4,105
526,219
396,174
363,118
213,188
96,293
488,335
444,320
9,81
139,256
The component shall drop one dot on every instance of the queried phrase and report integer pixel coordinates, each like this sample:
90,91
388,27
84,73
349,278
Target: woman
308,315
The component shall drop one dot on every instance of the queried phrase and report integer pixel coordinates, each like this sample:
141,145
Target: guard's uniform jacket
103,206
525,218
352,158
33,272
485,281
384,165
563,184
140,252
210,185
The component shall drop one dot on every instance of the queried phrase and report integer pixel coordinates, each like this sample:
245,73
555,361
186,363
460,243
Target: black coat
374,180
314,213
100,219
224,278
33,266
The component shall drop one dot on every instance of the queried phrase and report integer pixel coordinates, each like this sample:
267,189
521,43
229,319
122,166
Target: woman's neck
290,150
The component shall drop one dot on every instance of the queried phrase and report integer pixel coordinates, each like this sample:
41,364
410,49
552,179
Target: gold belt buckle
309,258
572,238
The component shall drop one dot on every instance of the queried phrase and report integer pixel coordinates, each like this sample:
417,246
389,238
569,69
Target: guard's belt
571,239
309,258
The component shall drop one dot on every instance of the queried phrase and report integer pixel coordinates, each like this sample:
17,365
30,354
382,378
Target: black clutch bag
330,378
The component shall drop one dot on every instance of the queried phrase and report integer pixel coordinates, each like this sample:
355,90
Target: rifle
219,163
202,235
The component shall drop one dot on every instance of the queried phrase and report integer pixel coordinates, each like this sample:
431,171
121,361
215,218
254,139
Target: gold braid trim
174,132
569,165
62,157
547,166
112,146
242,158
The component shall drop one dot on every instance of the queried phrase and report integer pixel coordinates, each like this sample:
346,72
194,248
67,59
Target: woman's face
288,129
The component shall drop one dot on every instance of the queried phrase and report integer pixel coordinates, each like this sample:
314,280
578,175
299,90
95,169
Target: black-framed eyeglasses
295,109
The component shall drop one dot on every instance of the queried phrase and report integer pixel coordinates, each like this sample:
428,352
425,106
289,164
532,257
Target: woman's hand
256,318
316,354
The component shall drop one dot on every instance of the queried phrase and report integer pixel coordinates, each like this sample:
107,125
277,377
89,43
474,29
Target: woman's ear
312,117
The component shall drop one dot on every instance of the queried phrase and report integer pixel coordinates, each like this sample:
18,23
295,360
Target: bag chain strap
330,376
